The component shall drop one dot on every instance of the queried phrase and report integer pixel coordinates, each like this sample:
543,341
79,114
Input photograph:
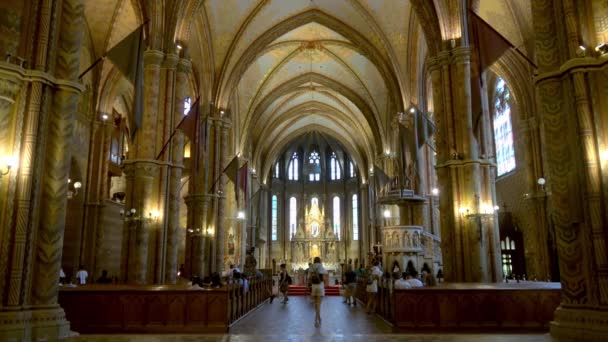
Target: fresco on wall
10,26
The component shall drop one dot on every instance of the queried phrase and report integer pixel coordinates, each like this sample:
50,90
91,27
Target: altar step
301,290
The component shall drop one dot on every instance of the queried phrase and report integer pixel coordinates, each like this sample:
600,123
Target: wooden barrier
160,309
468,307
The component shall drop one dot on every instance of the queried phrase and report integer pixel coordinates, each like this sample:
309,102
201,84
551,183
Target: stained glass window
503,131
275,217
336,209
187,105
334,168
315,173
293,216
355,218
293,170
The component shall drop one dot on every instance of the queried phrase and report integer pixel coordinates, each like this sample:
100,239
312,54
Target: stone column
571,98
469,228
9,88
48,319
220,236
198,206
365,222
140,178
184,67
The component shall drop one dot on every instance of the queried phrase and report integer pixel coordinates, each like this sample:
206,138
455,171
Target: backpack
315,277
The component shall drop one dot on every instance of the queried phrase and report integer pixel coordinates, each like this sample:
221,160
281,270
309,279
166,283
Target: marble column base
572,324
34,325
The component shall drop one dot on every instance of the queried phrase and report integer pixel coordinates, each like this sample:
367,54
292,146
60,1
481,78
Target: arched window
352,169
293,170
315,167
355,218
275,217
336,209
334,167
314,201
276,170
187,105
503,132
293,216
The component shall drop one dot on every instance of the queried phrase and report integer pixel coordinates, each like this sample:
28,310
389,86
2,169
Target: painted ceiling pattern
285,67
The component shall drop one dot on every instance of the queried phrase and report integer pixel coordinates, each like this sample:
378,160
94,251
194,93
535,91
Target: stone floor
295,322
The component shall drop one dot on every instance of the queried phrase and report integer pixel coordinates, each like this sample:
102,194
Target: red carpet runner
300,290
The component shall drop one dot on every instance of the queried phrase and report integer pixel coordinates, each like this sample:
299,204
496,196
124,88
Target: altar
314,237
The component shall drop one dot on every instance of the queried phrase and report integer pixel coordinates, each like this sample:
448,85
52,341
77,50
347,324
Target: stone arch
230,78
292,84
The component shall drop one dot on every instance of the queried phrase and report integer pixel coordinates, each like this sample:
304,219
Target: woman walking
317,292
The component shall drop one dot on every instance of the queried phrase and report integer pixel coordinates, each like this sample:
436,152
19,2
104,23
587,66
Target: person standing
284,280
317,287
82,275
350,284
372,287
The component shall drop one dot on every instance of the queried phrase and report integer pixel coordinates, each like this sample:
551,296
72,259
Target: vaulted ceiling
284,67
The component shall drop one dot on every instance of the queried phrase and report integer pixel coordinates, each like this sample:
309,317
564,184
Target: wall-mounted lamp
435,191
602,48
541,181
222,112
413,110
6,164
387,152
582,51
104,116
386,213
253,170
131,215
240,215
73,191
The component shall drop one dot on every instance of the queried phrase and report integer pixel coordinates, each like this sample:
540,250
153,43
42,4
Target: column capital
141,167
171,61
153,57
459,55
184,65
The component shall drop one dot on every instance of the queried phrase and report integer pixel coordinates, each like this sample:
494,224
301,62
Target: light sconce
222,112
435,191
240,215
6,164
464,211
178,46
195,231
253,170
541,181
582,51
387,213
387,152
131,215
413,110
602,48
104,116
209,231
73,192
496,208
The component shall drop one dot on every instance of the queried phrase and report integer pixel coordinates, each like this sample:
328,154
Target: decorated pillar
184,67
48,319
571,98
220,236
469,227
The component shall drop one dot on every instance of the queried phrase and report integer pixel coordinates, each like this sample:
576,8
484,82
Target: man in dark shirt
104,279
